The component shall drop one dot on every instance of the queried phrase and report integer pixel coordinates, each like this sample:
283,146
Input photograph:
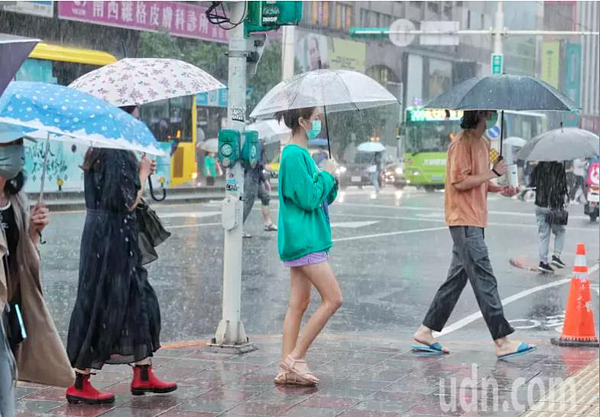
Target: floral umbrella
136,81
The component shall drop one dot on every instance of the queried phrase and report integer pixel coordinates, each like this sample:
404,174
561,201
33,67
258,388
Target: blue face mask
315,130
12,159
491,122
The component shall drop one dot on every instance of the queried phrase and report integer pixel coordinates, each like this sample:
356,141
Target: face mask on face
12,159
492,121
315,130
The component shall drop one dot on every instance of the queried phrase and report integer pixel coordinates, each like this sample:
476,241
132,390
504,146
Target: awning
68,54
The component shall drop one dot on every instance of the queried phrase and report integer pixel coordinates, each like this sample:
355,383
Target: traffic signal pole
231,335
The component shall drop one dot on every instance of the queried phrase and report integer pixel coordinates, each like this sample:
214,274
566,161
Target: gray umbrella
13,51
562,144
503,92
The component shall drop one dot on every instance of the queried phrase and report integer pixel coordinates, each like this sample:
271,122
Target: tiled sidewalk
359,378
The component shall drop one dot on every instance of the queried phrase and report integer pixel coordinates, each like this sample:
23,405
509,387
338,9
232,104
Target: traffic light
269,15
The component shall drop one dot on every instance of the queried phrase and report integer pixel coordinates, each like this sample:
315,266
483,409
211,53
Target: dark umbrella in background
503,92
14,50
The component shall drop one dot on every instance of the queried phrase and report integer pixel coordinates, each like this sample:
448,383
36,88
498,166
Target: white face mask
12,159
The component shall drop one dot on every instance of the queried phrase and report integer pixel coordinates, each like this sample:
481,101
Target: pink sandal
304,378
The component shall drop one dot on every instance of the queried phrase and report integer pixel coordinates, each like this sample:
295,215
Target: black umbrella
503,92
13,51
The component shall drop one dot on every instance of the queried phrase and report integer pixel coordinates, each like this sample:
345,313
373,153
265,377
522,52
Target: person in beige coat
40,356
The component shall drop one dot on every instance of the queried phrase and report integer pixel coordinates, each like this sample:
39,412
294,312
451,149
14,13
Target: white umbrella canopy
515,141
270,131
336,90
371,147
562,144
136,81
210,145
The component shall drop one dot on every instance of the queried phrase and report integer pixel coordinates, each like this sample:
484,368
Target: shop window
320,13
343,18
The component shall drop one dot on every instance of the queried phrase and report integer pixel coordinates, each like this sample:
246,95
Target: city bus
427,133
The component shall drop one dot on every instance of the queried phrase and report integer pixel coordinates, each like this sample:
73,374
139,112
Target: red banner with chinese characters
179,19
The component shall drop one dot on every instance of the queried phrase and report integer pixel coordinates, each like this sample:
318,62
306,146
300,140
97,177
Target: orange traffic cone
579,329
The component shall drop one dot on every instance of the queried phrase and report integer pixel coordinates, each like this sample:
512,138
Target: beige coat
41,358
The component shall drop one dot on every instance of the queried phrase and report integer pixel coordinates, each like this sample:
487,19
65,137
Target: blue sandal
434,349
523,349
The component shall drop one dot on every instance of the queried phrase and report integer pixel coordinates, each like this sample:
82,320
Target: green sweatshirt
303,222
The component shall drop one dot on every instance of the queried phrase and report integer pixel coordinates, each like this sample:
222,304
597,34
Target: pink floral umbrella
136,81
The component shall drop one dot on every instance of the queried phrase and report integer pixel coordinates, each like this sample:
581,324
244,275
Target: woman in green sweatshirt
304,241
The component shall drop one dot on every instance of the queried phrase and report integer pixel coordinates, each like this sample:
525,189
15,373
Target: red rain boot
83,392
144,381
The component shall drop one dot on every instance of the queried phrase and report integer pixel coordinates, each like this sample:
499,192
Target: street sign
442,26
400,39
497,64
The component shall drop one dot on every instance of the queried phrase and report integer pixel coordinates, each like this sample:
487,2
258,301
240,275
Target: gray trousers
7,377
252,189
544,232
470,262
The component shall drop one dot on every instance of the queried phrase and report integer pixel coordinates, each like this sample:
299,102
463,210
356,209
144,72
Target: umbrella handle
162,186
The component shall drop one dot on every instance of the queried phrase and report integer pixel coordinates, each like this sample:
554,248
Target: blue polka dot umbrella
60,113
73,116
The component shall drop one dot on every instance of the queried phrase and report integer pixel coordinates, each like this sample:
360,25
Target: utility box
269,15
229,147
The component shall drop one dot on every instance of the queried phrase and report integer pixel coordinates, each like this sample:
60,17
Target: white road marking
471,318
431,209
432,220
402,232
185,226
190,214
352,225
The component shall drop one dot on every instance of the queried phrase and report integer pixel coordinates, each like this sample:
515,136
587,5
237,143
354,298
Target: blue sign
493,132
214,98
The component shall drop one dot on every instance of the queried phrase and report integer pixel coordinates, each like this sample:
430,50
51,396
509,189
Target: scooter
593,197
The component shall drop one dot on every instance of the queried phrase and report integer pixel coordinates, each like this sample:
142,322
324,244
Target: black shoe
558,263
544,267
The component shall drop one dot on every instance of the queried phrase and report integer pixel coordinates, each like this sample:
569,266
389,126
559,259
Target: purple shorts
310,259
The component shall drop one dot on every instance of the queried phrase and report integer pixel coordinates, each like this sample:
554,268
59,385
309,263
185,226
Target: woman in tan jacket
27,325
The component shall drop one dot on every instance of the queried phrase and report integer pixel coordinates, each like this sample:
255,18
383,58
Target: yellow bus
173,121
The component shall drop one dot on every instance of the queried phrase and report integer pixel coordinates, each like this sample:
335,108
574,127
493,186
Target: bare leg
504,346
321,276
299,300
425,336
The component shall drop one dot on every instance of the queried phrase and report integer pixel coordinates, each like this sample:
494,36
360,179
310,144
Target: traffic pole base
234,349
231,339
574,343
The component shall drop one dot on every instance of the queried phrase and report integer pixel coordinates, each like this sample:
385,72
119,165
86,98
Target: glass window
169,119
430,136
320,13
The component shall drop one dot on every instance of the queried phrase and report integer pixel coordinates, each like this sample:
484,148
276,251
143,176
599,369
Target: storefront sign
36,8
551,63
179,19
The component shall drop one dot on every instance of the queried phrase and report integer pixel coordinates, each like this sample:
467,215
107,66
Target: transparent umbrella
270,130
334,90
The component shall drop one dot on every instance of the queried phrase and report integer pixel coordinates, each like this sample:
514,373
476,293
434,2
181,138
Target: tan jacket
41,358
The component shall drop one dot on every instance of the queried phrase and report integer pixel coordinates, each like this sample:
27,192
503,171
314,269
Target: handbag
557,216
152,232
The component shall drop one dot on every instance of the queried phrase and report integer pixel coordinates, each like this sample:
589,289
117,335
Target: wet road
390,256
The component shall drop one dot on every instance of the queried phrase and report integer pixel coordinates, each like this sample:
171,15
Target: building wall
588,18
